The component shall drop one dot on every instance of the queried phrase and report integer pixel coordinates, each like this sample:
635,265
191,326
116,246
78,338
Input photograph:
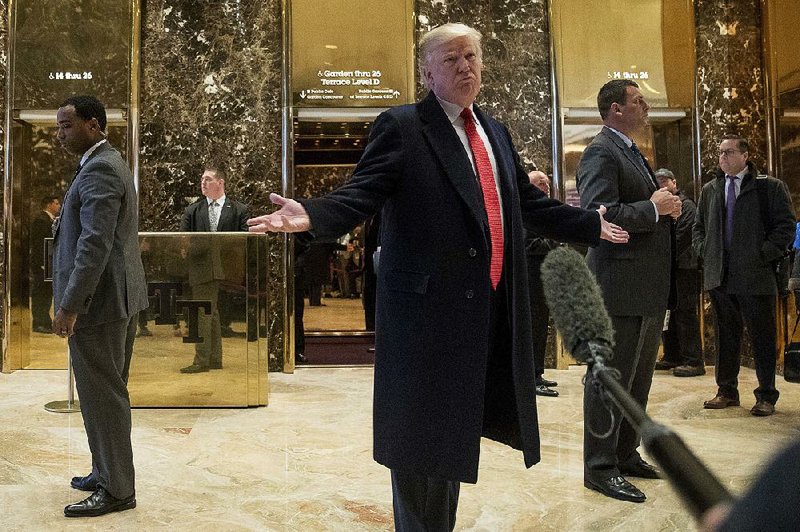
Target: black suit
537,249
41,291
635,282
453,358
741,280
206,270
682,337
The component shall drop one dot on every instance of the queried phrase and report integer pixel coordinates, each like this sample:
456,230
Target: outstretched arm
291,217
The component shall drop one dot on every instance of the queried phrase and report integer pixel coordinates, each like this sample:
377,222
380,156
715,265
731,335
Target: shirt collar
220,200
453,110
628,142
90,151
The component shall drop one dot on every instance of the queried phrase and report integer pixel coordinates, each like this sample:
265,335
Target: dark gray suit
98,273
635,281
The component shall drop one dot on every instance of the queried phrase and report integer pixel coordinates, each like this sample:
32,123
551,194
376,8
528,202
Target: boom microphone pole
579,314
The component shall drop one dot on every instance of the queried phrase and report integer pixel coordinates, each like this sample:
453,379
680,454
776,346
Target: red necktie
490,200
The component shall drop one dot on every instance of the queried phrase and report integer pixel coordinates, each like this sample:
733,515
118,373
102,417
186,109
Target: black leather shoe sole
544,391
616,493
87,483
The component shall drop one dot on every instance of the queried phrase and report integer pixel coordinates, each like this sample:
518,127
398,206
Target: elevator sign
59,75
348,87
359,54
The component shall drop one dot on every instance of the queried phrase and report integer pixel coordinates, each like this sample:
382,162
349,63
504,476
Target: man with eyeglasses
744,223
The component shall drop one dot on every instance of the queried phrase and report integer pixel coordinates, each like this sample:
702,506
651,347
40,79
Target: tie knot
466,114
214,204
731,177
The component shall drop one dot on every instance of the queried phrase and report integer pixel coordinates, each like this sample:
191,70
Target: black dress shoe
300,358
544,391
616,488
194,368
541,381
87,483
639,469
665,364
100,502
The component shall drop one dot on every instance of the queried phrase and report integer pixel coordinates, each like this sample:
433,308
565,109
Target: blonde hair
440,35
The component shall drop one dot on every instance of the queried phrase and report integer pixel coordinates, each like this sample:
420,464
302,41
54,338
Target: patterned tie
213,215
490,200
730,203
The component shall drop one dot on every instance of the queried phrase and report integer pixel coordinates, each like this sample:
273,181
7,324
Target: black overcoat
433,294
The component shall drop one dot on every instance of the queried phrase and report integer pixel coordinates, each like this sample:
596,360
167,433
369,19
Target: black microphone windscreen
575,300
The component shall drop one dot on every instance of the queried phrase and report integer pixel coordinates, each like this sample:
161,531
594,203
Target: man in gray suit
744,223
99,289
634,279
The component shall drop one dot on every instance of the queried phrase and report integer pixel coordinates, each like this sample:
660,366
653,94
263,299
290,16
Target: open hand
611,232
290,218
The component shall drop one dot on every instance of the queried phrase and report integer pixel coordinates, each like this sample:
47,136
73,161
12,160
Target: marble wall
730,77
210,90
516,76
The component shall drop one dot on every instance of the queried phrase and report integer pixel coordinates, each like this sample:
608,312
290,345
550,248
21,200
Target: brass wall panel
652,44
66,47
360,54
195,281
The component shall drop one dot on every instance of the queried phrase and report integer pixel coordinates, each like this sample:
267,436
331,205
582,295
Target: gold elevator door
39,170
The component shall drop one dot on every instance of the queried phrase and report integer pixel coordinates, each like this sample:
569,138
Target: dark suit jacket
232,217
97,267
634,277
433,294
41,228
750,268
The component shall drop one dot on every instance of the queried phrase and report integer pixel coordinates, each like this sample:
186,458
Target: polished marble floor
304,462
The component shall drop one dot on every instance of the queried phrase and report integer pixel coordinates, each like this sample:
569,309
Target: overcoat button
470,294
472,252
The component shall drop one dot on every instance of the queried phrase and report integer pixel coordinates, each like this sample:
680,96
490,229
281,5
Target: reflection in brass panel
651,43
359,54
65,47
195,281
40,168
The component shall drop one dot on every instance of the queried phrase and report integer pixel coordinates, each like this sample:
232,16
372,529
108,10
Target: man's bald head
540,180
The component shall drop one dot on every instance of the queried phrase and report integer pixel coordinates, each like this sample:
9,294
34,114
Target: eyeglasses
728,153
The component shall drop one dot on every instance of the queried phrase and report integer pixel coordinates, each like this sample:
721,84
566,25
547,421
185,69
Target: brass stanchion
70,405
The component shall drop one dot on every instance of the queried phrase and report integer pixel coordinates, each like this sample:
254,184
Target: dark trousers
609,441
422,503
41,301
299,328
101,358
733,312
540,312
208,353
682,337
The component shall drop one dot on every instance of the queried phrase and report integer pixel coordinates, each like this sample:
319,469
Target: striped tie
491,202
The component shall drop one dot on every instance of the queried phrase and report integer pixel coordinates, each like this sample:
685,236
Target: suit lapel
628,154
202,216
225,215
502,157
450,152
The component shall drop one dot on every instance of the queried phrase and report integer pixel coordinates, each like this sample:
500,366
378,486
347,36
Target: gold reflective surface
207,303
352,53
67,47
648,41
